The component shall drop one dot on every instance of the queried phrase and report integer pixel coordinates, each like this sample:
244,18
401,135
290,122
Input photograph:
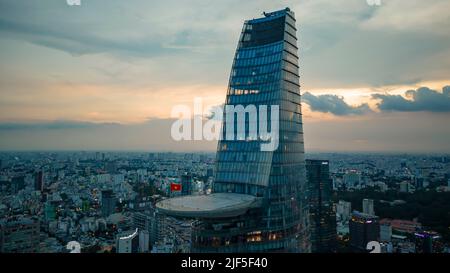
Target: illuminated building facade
364,228
428,242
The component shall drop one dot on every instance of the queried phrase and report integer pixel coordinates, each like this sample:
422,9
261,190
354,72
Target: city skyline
79,78
245,128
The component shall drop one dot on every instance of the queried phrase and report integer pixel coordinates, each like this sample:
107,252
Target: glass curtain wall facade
265,71
322,215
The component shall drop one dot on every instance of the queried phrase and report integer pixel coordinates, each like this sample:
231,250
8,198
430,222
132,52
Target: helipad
216,205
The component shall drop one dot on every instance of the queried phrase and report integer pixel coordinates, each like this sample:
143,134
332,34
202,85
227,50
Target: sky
105,75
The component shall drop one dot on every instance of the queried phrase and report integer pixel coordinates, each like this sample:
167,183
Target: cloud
52,125
200,37
151,135
396,15
116,27
410,132
422,99
70,38
396,131
334,104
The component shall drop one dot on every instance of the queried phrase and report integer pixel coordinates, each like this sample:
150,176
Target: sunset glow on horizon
115,63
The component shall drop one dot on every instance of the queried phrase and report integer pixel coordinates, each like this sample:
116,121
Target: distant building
428,242
165,246
17,184
382,186
385,231
352,179
387,247
111,167
156,228
142,221
49,211
418,182
151,223
405,187
39,181
368,207
140,203
210,172
108,202
322,215
128,242
19,235
344,210
181,231
363,229
186,184
144,241
135,241
402,226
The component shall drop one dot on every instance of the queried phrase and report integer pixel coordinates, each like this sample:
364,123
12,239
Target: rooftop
270,15
216,205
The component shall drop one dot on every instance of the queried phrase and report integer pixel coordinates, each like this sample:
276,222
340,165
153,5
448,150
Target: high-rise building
352,179
368,207
322,215
128,242
17,184
385,231
144,241
151,222
19,235
259,197
364,228
344,210
428,242
142,220
405,186
49,211
186,184
39,181
418,182
157,225
108,202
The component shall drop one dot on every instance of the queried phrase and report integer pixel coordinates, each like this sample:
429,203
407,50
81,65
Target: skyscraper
39,181
364,228
259,200
368,208
108,202
186,184
322,215
344,210
428,242
352,179
128,242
